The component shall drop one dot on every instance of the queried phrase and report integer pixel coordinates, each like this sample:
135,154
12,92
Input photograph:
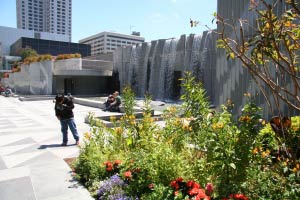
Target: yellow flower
87,135
262,121
112,118
118,130
255,151
295,170
245,119
218,125
295,128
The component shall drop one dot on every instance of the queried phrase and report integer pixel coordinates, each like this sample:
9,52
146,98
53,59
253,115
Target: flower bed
202,154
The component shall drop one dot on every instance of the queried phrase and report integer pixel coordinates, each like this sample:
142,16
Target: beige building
107,42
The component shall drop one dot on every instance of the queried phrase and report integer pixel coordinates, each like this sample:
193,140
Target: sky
154,19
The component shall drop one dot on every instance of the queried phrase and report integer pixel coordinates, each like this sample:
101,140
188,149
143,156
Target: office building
107,42
49,47
9,35
54,16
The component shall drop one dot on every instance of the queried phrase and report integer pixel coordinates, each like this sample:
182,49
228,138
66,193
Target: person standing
64,112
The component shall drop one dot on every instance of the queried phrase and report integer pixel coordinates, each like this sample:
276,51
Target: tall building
107,42
54,16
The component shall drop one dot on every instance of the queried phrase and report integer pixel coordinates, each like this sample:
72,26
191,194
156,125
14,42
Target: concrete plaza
31,158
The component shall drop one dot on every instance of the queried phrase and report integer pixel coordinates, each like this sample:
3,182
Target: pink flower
209,188
151,186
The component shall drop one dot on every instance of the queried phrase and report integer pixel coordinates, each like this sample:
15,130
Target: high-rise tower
54,16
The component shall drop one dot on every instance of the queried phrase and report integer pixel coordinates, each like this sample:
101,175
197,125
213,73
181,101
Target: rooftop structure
9,35
52,47
107,42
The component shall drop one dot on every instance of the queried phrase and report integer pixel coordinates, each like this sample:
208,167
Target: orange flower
255,151
127,174
118,162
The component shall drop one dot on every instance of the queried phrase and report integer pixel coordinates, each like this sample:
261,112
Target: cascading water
151,67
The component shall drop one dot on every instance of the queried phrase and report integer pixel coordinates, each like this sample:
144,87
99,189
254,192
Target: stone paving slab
31,158
9,191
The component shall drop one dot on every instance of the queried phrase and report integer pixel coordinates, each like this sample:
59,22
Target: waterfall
151,67
142,69
166,76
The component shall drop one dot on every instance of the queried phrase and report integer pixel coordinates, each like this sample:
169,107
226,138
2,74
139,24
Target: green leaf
232,165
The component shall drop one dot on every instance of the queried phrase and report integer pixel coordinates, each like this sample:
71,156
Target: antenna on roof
130,28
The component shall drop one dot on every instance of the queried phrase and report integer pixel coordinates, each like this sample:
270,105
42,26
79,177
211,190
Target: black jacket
64,110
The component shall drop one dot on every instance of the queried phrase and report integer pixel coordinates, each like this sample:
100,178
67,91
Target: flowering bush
67,56
37,58
238,155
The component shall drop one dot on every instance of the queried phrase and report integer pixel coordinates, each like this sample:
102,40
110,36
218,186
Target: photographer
64,112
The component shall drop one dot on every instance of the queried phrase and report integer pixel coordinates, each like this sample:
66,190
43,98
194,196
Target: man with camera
64,112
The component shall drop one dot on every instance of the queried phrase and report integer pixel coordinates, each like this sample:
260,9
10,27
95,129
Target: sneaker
63,144
77,142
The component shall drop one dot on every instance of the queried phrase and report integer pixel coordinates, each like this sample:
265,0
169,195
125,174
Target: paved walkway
31,159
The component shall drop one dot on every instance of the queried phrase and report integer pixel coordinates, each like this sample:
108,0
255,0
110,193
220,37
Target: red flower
127,174
238,196
198,194
174,185
196,185
108,164
176,193
179,179
190,184
193,191
109,169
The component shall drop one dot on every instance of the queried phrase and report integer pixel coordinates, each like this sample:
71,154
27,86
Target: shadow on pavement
45,146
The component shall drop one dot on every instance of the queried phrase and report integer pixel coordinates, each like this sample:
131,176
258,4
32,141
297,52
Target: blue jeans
64,129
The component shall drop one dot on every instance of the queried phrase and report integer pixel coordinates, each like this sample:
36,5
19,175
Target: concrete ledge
35,98
100,104
83,72
90,103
